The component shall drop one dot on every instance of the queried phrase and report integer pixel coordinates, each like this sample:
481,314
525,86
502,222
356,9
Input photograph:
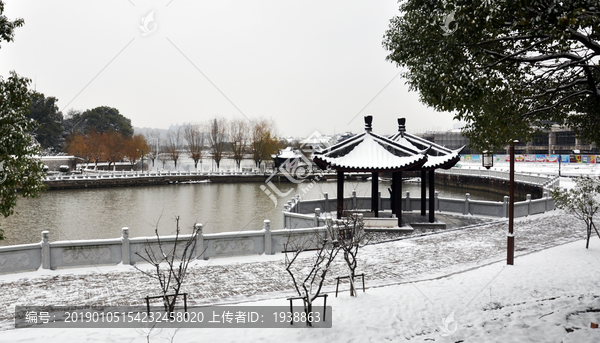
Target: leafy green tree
581,201
48,129
103,119
73,123
504,67
21,171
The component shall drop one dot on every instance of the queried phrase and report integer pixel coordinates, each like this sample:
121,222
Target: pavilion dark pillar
431,196
423,192
397,190
375,194
340,193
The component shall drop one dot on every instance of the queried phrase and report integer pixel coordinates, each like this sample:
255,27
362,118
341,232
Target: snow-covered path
213,281
484,298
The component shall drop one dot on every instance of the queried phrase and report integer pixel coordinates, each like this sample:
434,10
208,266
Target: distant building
54,162
557,140
450,139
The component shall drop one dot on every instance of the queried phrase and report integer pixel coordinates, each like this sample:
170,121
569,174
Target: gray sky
309,65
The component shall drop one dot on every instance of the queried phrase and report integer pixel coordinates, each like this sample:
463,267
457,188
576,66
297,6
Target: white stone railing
307,213
132,175
125,250
521,177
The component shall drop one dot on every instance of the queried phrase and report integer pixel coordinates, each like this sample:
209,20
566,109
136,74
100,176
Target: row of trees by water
216,138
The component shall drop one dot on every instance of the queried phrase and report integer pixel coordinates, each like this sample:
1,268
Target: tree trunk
589,234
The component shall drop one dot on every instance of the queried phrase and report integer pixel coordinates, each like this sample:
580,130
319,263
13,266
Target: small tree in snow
308,275
350,234
581,201
170,262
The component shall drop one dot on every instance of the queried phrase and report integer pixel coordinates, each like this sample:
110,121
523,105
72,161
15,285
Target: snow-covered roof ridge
439,156
368,153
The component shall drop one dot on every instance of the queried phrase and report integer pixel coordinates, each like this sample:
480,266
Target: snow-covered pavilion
370,152
438,156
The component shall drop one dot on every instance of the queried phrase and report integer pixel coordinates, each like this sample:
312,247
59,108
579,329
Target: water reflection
101,213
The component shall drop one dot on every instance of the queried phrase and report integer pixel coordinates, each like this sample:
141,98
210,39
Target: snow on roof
288,153
371,152
438,156
441,161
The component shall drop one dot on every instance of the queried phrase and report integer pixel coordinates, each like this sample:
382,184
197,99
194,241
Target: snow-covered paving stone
545,294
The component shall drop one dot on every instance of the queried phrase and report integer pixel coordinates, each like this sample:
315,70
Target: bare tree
173,145
153,139
350,234
238,137
263,140
308,279
217,135
170,263
194,137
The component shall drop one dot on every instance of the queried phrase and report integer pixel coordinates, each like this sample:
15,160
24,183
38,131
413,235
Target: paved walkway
220,281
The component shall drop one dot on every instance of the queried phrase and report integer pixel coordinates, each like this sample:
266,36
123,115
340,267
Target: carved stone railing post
125,250
200,242
317,214
45,250
268,240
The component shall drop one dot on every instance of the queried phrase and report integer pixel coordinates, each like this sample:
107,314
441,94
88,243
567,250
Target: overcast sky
309,65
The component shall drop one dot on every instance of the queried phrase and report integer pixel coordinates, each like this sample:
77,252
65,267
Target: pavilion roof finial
402,126
368,122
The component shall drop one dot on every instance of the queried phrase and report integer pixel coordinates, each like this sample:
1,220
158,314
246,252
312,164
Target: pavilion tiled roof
438,156
370,152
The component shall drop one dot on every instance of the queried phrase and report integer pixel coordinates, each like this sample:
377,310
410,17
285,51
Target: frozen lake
101,213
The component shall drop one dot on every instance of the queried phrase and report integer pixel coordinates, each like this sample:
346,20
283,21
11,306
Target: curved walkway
230,280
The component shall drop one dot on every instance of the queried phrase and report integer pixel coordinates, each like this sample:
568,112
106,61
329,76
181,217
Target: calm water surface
101,213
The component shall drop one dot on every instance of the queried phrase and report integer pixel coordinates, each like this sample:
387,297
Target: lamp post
510,245
487,159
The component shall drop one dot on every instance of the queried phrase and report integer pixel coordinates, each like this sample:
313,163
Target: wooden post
375,194
431,196
340,193
423,192
397,180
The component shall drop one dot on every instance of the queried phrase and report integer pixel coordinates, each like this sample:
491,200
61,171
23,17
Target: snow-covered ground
566,169
446,287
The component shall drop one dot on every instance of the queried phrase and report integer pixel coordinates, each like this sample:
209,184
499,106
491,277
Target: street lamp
510,244
487,159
